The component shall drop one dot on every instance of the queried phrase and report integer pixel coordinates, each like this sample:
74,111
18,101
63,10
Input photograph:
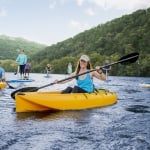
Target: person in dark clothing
27,70
48,69
106,69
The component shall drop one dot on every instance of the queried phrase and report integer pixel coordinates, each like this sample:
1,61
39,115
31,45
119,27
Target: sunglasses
83,61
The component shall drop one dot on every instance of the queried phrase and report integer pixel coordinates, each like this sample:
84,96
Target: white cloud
130,5
64,1
78,25
3,12
80,2
139,4
52,4
90,12
74,23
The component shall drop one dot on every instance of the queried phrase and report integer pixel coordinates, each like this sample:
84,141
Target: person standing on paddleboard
48,69
22,60
106,69
85,81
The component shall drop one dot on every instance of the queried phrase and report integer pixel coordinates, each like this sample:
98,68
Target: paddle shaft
66,79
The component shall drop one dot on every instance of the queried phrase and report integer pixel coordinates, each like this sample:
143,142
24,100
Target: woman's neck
83,69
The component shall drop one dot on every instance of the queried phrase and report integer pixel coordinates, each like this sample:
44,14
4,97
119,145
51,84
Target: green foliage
9,65
10,47
60,66
110,41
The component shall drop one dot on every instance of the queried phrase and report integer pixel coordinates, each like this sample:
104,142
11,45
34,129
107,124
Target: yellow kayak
3,85
146,85
42,101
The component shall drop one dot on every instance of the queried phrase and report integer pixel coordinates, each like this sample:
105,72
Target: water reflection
138,109
53,115
124,125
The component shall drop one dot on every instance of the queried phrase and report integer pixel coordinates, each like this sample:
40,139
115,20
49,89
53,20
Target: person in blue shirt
84,82
2,73
22,60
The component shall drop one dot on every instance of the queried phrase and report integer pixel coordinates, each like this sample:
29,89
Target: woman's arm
99,74
71,75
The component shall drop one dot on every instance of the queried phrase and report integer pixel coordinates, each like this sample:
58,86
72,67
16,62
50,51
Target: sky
51,21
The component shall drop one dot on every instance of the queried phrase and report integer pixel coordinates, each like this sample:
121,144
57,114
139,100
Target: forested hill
10,46
109,41
129,33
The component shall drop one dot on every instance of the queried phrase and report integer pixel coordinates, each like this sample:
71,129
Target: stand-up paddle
130,58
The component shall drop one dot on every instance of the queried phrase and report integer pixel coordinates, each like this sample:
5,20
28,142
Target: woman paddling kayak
85,81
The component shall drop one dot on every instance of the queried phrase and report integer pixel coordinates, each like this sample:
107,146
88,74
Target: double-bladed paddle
130,58
11,87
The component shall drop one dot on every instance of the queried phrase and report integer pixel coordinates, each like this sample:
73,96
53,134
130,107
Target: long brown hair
89,66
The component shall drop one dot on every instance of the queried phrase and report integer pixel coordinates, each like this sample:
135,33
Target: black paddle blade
128,59
25,89
11,87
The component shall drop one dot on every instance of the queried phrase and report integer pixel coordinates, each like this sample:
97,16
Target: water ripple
125,125
138,109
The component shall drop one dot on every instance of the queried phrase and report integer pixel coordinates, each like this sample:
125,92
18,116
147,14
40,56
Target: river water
123,126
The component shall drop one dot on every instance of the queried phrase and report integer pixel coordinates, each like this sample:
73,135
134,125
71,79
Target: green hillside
112,40
10,46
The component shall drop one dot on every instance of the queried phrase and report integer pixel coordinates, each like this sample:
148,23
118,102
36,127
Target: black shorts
21,69
75,89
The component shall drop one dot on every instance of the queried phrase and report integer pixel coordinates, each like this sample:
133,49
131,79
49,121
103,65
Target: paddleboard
107,80
21,80
47,76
